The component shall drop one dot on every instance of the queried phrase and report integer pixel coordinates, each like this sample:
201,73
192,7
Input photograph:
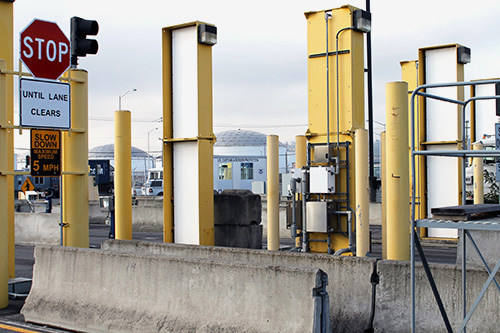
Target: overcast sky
260,60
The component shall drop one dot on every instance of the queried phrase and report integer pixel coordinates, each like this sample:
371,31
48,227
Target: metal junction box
298,215
321,153
322,180
317,216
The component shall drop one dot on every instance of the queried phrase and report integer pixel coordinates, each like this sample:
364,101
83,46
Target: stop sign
45,50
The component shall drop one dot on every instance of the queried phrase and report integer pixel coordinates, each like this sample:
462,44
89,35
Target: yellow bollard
397,173
300,151
7,54
75,189
123,175
4,237
383,166
477,163
362,193
273,194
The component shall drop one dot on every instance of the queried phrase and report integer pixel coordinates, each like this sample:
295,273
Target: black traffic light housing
80,44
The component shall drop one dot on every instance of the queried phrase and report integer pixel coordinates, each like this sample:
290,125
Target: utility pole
373,180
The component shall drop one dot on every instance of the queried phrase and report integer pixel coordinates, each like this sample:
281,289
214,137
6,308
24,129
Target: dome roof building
240,160
141,161
108,152
240,138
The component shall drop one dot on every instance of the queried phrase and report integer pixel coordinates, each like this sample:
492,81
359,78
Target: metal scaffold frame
463,226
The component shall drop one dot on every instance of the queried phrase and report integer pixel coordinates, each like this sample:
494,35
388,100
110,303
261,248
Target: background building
240,160
141,161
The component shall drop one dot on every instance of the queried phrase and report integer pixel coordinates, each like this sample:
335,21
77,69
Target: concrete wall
147,214
349,278
350,290
37,228
488,243
284,232
96,216
107,291
393,309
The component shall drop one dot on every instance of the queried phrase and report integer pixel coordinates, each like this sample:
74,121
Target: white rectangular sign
44,104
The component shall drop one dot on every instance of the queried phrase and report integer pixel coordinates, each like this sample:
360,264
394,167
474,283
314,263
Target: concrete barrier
488,243
37,228
393,309
108,291
284,232
237,207
96,216
147,214
349,285
237,217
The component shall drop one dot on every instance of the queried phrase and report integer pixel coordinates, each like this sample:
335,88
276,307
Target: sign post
45,153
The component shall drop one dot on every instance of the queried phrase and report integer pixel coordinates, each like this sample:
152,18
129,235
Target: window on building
246,171
225,171
38,180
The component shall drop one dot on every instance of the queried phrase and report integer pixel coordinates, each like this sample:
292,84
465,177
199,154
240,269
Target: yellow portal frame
413,72
204,139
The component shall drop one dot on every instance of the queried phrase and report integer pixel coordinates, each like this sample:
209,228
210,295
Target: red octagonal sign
45,50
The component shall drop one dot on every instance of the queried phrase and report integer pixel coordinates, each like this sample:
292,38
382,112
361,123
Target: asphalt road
12,321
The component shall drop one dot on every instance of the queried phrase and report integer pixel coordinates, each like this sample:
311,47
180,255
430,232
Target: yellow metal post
168,163
398,225
273,194
7,54
4,193
123,175
206,140
300,161
345,99
409,74
75,188
383,167
477,163
362,194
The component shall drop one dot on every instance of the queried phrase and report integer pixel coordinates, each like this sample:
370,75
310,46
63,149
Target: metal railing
462,153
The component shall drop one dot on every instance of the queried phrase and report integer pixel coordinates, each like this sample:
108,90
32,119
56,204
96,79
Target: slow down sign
45,153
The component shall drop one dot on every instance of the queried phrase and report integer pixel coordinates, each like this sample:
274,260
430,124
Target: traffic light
28,160
80,44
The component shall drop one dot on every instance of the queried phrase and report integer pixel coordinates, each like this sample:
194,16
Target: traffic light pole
75,165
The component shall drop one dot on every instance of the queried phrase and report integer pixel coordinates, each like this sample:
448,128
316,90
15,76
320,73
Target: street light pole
147,164
378,122
120,98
